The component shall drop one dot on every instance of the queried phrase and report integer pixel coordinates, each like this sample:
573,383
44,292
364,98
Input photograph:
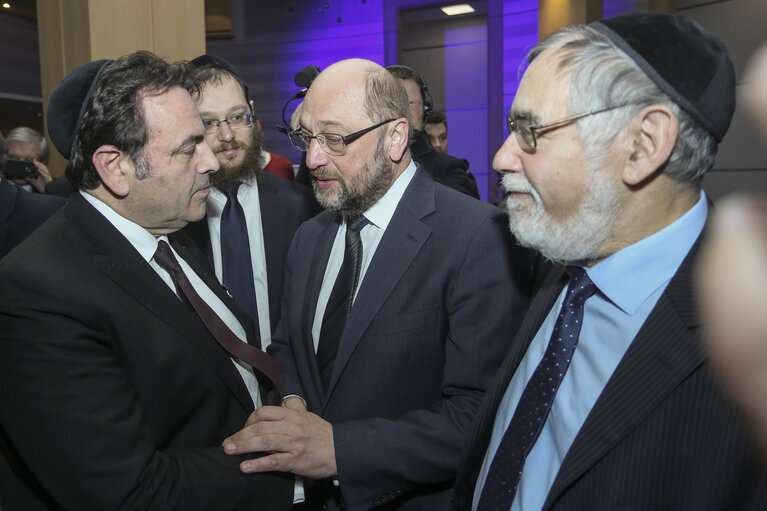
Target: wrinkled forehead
332,106
543,91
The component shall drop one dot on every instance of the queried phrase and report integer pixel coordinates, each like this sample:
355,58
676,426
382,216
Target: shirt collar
141,239
381,213
631,275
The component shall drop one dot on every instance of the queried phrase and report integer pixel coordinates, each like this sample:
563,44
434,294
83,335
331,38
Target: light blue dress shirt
629,283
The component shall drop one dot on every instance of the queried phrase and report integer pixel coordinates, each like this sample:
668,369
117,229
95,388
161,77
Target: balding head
354,122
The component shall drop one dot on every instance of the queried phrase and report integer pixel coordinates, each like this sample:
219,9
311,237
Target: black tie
535,402
264,366
341,299
235,256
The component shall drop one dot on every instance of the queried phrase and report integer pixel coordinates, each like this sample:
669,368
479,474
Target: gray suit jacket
441,300
661,435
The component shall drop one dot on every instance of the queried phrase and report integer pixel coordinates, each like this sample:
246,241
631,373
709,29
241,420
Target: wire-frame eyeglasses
332,143
526,133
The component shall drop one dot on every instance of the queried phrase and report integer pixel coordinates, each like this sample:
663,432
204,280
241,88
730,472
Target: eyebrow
191,139
236,108
526,115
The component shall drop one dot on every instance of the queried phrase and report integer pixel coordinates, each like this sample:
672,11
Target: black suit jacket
21,212
284,206
445,169
435,311
661,435
113,395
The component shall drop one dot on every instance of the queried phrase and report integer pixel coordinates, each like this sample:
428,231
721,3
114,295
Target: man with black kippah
123,362
605,399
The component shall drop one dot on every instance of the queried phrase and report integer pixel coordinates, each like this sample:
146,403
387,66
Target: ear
652,144
399,139
115,169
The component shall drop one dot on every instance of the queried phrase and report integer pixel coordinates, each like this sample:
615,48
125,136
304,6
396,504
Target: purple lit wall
278,38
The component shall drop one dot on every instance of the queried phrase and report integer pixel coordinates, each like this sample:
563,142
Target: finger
278,462
257,443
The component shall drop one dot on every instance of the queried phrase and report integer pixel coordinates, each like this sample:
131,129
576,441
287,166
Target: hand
299,442
43,177
294,403
732,288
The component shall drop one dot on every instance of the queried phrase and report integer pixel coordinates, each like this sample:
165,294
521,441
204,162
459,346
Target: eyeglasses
332,143
235,122
526,133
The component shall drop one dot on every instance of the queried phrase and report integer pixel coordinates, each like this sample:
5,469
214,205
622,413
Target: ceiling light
6,5
452,10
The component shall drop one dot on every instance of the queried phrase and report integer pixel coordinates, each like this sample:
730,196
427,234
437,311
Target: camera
19,169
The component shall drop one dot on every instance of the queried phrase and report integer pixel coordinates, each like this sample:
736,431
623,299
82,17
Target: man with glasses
251,214
605,399
400,301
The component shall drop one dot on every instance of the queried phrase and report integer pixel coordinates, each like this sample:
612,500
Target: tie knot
164,256
231,192
356,223
581,288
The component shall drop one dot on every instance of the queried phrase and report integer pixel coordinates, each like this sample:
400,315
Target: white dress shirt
379,216
247,195
146,245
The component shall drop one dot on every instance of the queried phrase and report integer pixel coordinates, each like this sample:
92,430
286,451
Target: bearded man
399,302
252,215
606,399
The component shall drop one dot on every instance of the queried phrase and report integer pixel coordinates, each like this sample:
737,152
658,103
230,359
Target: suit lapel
113,254
479,436
274,226
403,239
199,234
665,351
319,263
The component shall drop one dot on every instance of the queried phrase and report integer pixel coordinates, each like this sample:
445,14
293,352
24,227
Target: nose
225,132
207,160
315,156
508,158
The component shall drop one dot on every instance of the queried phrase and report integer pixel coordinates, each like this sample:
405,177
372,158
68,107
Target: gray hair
24,134
385,98
602,75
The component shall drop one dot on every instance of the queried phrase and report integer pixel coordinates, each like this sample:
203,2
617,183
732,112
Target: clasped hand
298,441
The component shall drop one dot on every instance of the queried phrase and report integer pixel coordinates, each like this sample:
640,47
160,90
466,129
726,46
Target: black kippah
686,62
220,63
68,103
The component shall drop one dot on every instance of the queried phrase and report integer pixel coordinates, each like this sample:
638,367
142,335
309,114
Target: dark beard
364,191
249,168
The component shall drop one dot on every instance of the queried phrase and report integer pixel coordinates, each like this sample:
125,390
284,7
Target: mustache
516,183
225,146
324,173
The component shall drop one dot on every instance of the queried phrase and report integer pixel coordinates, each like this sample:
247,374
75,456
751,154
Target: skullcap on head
686,62
220,63
68,102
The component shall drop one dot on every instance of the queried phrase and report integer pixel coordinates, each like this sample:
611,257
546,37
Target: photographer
27,145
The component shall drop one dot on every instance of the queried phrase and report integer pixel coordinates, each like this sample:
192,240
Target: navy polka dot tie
535,403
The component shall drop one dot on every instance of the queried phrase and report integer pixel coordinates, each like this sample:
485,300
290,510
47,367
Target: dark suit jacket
284,206
445,169
22,212
442,297
113,395
660,436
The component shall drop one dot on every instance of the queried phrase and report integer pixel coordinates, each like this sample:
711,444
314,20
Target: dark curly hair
115,115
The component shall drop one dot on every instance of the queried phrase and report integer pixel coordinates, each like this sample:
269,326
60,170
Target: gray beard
363,190
578,238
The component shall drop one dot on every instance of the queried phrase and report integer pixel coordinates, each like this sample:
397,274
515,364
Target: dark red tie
264,366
